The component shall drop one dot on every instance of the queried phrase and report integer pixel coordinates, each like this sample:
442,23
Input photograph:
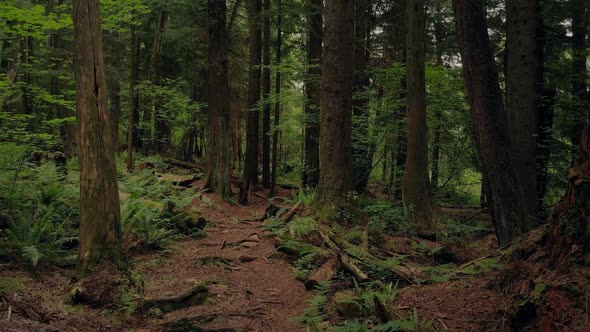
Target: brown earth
253,292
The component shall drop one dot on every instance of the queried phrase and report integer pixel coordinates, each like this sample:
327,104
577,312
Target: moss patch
13,284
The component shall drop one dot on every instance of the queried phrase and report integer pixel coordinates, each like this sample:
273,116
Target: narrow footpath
250,290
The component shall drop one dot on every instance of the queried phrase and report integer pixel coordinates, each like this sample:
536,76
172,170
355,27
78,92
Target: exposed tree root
195,295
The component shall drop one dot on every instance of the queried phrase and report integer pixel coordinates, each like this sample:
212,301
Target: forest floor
457,286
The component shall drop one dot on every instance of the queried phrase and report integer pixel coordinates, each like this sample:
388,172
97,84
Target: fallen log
195,295
183,164
325,273
353,269
342,246
289,214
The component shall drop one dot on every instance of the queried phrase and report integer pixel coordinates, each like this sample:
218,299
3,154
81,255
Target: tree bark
152,115
219,154
133,112
336,178
507,206
581,109
277,121
521,94
416,191
569,230
311,171
100,228
250,176
546,94
361,146
266,98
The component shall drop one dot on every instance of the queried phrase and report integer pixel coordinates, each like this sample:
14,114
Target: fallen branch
483,257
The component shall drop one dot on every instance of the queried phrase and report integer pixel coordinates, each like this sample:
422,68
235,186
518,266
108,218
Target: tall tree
507,206
417,195
156,131
311,171
361,147
581,109
546,94
266,97
133,111
219,132
100,220
277,121
250,176
336,178
521,94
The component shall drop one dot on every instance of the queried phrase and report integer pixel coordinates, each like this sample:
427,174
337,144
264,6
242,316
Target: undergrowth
40,214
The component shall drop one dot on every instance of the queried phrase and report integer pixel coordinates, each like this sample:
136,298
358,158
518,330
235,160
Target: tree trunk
133,113
266,98
336,178
569,230
546,94
157,121
311,171
100,227
417,195
507,206
581,109
401,116
361,147
115,104
521,97
439,36
250,176
219,137
277,121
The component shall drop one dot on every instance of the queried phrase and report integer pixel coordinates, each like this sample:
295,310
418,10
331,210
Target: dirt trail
257,295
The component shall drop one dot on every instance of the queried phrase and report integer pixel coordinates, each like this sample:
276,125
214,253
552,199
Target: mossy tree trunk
219,132
336,178
100,227
416,191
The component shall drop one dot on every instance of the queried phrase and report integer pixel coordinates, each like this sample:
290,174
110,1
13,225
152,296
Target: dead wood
289,214
353,269
183,164
325,273
342,247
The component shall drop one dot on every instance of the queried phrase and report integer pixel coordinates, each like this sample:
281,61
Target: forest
294,165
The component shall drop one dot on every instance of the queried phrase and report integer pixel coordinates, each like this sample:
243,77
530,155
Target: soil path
255,292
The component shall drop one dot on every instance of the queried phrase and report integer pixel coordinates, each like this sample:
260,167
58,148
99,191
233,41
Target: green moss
13,284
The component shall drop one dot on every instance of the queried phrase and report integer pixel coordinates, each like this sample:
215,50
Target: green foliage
315,313
306,197
30,20
145,227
